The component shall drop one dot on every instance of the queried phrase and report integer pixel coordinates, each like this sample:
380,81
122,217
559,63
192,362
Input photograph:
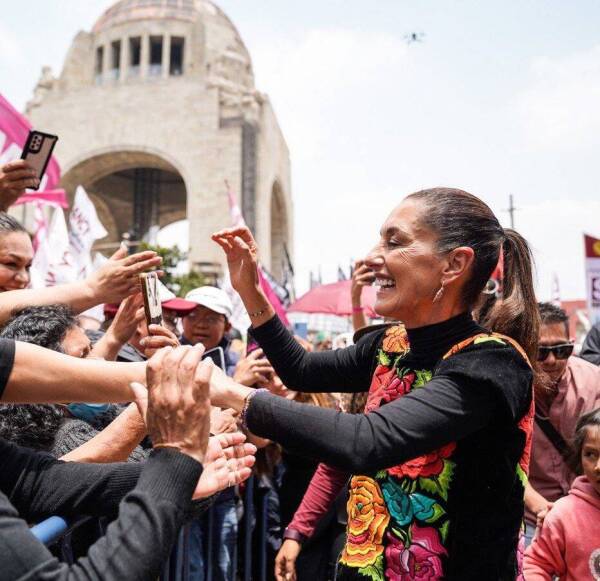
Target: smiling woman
440,456
16,254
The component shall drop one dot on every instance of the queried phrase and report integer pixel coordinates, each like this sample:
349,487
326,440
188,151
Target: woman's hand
119,277
285,562
15,177
158,338
130,313
178,413
254,369
228,462
362,276
242,257
223,421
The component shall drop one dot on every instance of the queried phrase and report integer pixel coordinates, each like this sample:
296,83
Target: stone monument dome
156,108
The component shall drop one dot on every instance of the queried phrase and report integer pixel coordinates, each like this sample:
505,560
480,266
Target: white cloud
560,107
555,229
333,91
11,53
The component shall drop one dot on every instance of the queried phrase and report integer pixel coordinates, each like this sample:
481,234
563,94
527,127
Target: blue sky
500,98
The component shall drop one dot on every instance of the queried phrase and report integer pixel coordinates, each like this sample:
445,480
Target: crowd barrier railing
58,532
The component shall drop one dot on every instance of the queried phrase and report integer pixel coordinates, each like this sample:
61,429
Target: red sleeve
326,484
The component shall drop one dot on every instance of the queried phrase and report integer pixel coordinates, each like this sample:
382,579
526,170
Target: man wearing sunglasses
571,388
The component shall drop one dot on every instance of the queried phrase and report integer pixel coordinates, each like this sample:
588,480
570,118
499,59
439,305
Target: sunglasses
562,351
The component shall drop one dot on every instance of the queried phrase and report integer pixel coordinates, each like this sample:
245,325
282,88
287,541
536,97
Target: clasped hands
176,409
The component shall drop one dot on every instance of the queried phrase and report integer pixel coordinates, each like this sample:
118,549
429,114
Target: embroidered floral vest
398,521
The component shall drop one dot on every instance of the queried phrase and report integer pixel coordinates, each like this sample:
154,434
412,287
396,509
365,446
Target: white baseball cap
212,298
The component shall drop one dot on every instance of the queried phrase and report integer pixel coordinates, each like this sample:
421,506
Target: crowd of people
459,438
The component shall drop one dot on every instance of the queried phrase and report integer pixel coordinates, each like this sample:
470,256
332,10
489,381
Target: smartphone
38,150
217,355
150,292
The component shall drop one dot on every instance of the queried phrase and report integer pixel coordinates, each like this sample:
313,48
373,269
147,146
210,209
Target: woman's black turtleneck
457,393
465,394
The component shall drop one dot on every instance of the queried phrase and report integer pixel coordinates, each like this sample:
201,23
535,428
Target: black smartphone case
38,150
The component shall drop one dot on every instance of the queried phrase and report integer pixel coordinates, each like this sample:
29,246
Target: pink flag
237,221
14,128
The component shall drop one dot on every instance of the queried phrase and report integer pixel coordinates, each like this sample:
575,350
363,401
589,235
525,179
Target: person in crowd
568,545
61,429
208,324
448,421
15,177
150,501
590,350
569,388
112,282
362,276
16,254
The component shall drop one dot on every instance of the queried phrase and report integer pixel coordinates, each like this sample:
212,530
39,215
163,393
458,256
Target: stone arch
280,228
132,188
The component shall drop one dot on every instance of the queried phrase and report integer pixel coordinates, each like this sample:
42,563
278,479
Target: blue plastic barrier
50,530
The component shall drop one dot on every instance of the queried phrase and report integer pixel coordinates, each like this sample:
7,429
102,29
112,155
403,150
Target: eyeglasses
562,351
208,319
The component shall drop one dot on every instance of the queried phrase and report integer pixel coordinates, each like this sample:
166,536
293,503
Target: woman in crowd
111,283
441,454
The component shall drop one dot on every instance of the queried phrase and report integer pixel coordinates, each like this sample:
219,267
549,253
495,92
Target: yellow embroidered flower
368,519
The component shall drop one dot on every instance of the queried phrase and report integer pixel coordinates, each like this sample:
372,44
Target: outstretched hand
119,277
228,462
242,256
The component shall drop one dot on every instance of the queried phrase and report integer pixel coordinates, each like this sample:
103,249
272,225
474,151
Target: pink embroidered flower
421,560
398,387
381,378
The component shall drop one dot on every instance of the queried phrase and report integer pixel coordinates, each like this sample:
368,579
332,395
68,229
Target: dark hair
45,326
35,425
461,219
551,314
31,425
591,419
8,224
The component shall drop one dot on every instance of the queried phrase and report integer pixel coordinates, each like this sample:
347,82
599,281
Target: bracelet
246,407
259,313
357,309
294,535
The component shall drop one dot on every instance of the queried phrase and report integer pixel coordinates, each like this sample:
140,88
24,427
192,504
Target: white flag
85,229
53,263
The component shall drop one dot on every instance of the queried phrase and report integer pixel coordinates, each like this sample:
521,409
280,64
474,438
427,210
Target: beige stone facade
158,102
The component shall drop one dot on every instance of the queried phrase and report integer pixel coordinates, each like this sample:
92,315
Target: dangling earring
439,294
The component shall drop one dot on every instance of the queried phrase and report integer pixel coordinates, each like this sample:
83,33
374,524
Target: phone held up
150,292
38,150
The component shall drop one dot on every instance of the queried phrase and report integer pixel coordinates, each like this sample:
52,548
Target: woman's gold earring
439,294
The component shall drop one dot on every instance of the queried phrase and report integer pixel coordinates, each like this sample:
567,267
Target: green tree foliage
180,284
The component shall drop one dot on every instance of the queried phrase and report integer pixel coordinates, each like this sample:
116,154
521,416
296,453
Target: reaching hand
242,257
228,462
15,177
223,421
119,277
178,413
254,369
362,276
130,313
541,516
158,338
285,562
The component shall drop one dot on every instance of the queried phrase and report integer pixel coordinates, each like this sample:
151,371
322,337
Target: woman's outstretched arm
31,374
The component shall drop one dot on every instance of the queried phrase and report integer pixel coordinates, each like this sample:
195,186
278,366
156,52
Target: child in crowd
568,543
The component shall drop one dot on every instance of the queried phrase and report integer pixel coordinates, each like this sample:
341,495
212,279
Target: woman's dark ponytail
516,313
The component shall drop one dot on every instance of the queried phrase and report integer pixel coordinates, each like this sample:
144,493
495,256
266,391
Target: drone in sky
414,37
